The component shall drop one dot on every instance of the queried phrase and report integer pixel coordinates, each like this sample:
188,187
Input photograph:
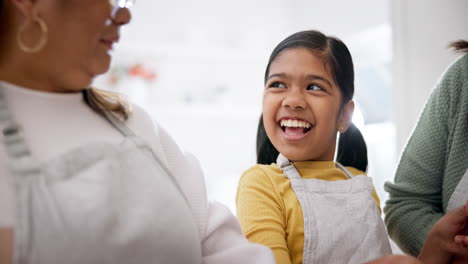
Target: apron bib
101,203
342,224
459,195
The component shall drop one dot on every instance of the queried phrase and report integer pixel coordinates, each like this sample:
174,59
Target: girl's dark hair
352,150
266,152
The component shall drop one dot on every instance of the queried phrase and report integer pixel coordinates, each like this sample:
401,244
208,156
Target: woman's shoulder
456,75
183,166
451,93
461,63
144,126
141,123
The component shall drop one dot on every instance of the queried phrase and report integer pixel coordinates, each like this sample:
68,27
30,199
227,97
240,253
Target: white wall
422,29
210,57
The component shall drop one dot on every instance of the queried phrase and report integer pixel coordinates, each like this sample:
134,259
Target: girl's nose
294,100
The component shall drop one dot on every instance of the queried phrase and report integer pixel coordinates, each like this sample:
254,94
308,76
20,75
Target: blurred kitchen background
197,67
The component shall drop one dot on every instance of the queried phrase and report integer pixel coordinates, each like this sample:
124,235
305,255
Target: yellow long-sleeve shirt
269,211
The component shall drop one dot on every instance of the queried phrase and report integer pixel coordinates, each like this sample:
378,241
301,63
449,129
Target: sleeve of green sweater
415,202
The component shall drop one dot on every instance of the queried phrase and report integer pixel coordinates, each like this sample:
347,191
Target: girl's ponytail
266,152
352,149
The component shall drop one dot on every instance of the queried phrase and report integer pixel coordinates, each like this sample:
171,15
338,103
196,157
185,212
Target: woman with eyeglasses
83,178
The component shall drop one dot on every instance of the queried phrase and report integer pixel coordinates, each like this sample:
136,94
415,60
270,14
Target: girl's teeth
294,123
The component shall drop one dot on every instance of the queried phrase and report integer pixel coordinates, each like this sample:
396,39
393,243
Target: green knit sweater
433,162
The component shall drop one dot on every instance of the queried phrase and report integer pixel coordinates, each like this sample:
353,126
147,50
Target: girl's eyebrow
280,75
318,77
309,77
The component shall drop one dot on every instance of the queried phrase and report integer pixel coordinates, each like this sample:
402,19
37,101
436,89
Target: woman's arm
224,242
6,245
432,162
221,238
260,213
415,202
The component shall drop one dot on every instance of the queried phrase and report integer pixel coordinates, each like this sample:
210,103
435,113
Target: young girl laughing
298,201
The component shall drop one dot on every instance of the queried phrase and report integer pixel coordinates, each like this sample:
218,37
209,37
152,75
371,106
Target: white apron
101,203
342,224
460,194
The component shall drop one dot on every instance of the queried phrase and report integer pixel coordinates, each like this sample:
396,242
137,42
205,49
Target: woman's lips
109,42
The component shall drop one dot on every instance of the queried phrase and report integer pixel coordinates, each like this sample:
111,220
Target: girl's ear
346,117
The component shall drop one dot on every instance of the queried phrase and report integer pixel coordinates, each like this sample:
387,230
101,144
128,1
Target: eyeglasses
118,4
121,3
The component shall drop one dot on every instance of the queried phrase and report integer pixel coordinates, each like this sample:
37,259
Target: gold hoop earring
42,40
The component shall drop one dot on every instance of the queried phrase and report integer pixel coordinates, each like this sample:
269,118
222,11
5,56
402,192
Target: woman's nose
121,16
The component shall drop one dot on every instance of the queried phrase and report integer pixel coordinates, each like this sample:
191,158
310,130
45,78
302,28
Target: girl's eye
277,85
314,87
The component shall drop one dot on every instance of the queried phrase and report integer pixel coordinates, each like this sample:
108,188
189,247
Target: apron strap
118,124
127,132
25,169
341,167
287,167
11,135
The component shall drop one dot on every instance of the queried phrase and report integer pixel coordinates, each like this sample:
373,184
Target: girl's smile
294,129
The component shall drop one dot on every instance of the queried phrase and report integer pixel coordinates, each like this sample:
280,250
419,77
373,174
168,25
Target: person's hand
396,259
448,238
462,240
459,260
